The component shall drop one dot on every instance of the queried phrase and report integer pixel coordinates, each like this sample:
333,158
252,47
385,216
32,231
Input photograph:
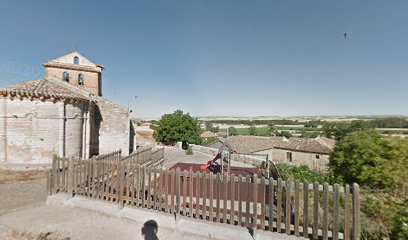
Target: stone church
63,113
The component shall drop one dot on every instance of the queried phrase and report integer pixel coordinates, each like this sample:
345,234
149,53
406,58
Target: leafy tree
285,134
339,130
367,158
271,129
215,129
252,130
308,134
208,126
177,127
232,131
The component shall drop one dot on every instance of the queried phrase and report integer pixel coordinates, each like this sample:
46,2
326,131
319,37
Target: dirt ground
11,176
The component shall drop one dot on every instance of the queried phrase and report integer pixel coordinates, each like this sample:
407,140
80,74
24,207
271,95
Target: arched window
80,79
76,60
65,76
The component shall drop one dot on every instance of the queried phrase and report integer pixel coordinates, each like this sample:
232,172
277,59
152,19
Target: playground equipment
225,153
220,155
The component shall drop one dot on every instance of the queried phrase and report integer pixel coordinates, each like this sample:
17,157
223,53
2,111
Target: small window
81,79
317,156
289,156
76,60
65,76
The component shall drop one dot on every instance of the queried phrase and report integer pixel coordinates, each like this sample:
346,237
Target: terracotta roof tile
251,144
44,88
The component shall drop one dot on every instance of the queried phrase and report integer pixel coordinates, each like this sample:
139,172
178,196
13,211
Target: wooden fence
310,210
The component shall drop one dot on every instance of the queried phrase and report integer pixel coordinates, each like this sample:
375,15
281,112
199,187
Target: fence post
356,212
120,184
54,175
177,212
70,181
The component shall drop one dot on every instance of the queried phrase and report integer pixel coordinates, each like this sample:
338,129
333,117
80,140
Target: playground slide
206,166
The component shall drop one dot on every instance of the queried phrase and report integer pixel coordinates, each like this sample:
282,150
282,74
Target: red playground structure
218,156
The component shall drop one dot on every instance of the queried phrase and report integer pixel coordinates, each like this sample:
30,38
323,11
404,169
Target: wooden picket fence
302,209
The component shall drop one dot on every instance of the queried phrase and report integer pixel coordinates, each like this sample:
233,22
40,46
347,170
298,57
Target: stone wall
113,123
33,131
91,79
302,158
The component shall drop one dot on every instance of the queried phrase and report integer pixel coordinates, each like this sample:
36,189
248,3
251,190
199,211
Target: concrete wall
113,122
91,79
302,158
33,131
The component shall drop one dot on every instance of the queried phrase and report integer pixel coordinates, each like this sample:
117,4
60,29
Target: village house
312,152
62,113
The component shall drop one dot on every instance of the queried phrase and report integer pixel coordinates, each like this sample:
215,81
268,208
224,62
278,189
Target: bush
400,222
369,159
301,173
252,130
189,151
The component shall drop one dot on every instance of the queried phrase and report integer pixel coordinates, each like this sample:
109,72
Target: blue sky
219,57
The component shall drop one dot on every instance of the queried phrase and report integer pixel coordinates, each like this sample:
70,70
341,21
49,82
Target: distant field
262,131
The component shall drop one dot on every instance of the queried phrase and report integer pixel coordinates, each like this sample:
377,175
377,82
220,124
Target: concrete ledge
211,230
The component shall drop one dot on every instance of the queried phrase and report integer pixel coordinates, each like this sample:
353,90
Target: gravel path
17,195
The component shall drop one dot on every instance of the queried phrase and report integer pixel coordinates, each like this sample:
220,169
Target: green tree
215,129
232,131
367,158
271,129
339,130
177,127
252,130
208,126
285,134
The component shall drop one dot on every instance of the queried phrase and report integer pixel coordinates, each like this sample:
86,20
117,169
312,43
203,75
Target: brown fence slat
239,194
315,210
204,207
232,214
271,203
263,202
211,198
143,182
336,221
247,201
185,179
155,188
161,176
166,191
149,187
225,197
178,186
288,211
297,207
279,207
305,210
173,190
325,210
218,189
347,212
197,205
191,193
255,202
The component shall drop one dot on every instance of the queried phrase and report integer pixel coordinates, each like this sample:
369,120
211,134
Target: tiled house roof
44,88
207,134
251,144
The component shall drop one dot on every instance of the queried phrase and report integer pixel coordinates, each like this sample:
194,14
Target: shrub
301,173
189,151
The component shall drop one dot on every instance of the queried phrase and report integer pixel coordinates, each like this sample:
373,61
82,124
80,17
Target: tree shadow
149,230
